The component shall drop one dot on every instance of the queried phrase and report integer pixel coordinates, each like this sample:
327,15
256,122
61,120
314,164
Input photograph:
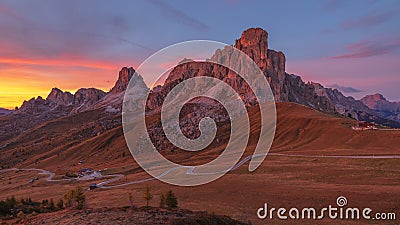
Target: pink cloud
10,13
369,20
365,49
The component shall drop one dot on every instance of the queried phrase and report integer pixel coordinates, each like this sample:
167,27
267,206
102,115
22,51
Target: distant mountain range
4,112
254,42
90,119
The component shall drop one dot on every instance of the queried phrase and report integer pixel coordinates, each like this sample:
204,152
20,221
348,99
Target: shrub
75,198
131,201
147,195
20,214
60,204
171,201
51,205
11,202
162,201
206,219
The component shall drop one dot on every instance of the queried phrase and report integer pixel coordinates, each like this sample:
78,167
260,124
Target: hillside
294,173
55,145
4,112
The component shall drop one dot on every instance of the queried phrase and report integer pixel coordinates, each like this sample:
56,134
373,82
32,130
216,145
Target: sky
350,45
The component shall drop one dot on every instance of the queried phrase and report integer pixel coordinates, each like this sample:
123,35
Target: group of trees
11,206
167,200
74,198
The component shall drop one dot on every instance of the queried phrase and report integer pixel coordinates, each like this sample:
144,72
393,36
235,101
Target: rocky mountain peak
60,97
374,97
254,42
124,76
88,95
255,39
384,108
372,100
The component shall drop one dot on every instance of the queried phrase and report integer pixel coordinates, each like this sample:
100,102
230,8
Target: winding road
190,169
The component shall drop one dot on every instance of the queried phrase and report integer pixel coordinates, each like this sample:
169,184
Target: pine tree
75,197
60,204
69,198
12,202
170,200
80,198
51,204
162,201
131,200
147,195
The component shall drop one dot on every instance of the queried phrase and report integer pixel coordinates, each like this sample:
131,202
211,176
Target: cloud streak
372,19
344,88
179,16
365,49
4,10
332,5
59,63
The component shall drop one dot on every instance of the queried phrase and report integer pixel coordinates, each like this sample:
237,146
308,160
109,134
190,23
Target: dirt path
191,169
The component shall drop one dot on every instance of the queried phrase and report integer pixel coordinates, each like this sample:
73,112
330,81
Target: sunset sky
354,45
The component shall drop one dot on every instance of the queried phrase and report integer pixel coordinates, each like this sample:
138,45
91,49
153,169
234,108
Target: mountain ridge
4,112
253,42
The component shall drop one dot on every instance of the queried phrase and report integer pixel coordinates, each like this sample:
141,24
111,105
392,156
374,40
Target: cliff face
253,42
285,87
125,74
59,97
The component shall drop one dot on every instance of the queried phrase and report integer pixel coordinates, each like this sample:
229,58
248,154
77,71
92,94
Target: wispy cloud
179,16
5,10
372,19
344,88
331,5
365,49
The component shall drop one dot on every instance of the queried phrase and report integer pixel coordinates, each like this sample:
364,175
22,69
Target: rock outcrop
112,101
125,74
59,97
84,98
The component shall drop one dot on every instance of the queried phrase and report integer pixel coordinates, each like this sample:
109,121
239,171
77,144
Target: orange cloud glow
23,79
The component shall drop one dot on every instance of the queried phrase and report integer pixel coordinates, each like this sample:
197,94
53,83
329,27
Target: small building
92,186
364,126
85,172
